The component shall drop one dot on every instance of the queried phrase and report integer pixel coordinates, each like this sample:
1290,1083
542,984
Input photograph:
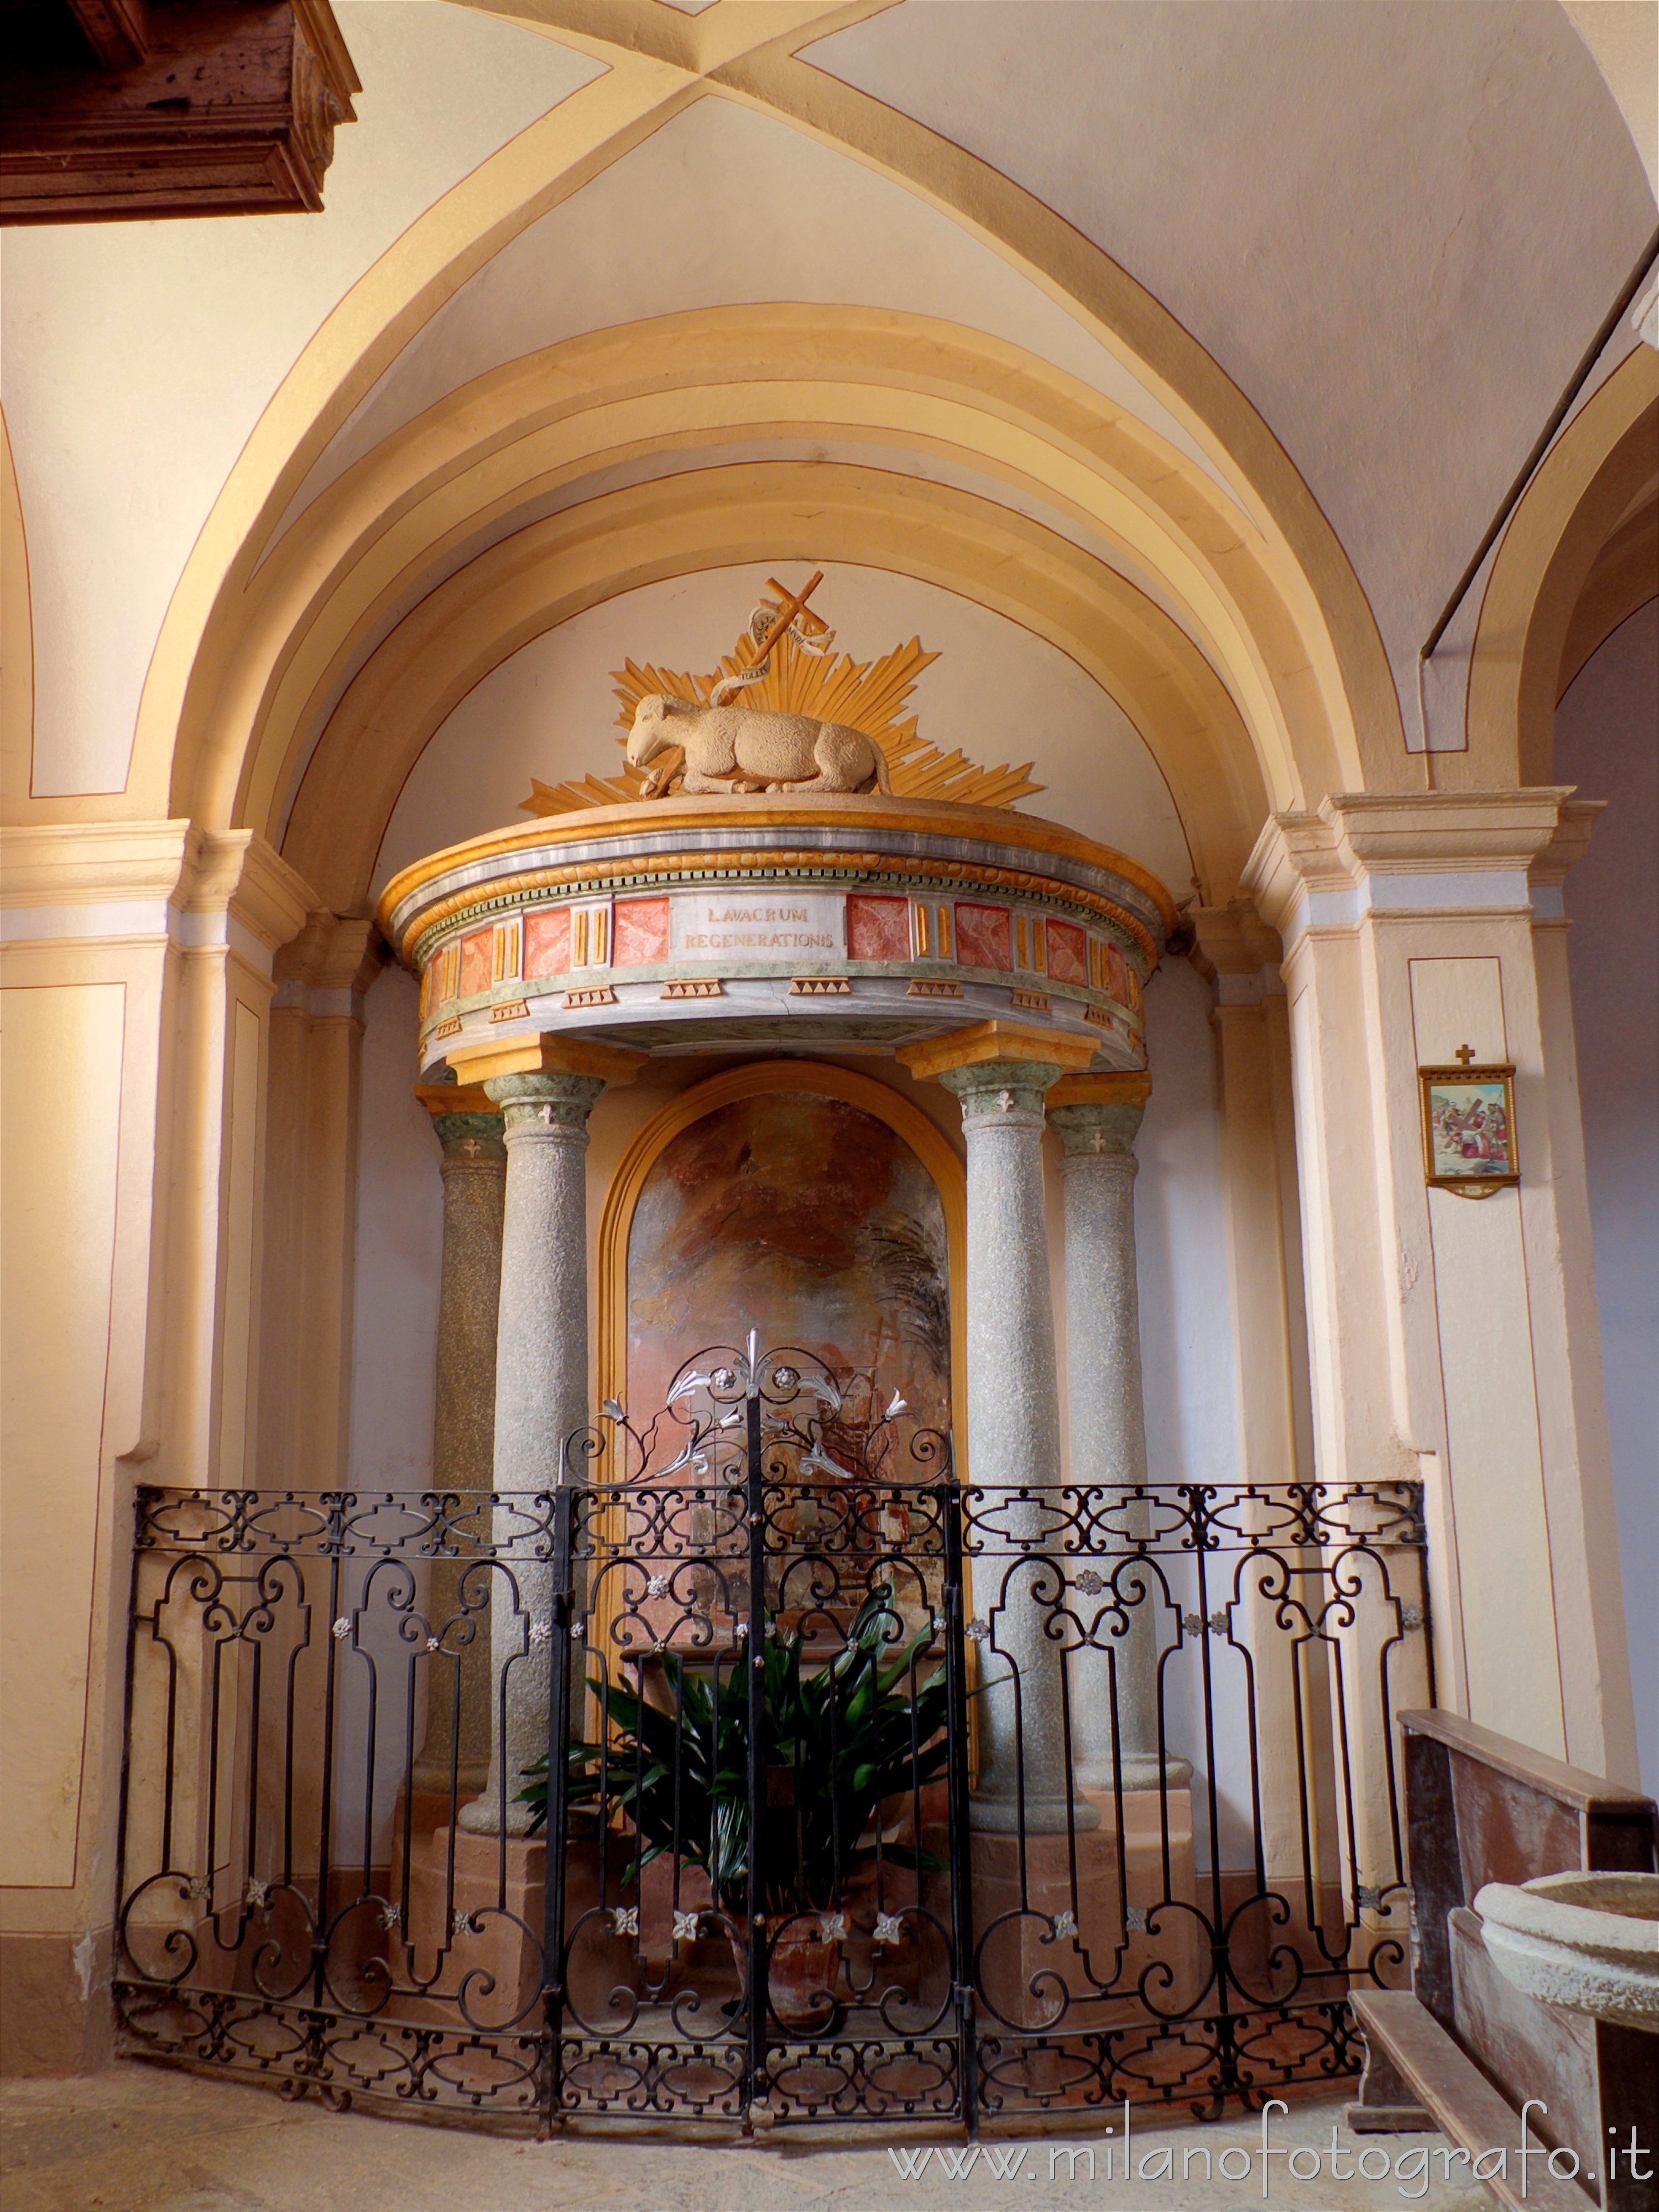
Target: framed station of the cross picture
1468,1129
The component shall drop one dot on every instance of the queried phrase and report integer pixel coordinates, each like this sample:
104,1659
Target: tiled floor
139,2139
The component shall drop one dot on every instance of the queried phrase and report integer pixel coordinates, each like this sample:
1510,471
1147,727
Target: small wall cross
1464,1055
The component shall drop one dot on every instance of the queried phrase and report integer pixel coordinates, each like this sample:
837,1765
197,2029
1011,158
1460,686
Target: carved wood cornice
170,110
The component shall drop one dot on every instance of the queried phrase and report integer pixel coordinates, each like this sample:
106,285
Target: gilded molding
1130,1089
657,819
543,1054
454,1098
995,1041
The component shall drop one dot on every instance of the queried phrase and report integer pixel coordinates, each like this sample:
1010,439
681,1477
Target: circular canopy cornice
780,919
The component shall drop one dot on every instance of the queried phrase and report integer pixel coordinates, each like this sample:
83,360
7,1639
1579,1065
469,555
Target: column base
1039,1816
483,1817
1176,1939
1140,1771
1035,1967
505,1943
432,1783
55,2017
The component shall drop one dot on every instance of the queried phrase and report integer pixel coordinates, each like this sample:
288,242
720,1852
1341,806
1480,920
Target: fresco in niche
814,1223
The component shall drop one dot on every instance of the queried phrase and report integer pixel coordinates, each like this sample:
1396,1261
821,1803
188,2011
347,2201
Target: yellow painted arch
539,425
757,1078
747,55
544,575
379,538
1601,461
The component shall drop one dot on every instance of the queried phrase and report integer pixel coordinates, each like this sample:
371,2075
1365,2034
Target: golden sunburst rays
871,696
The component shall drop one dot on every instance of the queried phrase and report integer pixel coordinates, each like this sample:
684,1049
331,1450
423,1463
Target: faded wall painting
805,1218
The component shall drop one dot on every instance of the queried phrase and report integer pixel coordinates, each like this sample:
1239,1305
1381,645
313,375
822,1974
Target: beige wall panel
59,1143
1354,1428
241,1186
1497,1472
1491,1410
1456,1003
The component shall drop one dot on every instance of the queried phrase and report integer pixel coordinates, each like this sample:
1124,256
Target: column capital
1010,1092
1002,1042
545,1102
1097,1114
1235,953
546,1053
236,874
445,1098
466,1122
1399,854
324,970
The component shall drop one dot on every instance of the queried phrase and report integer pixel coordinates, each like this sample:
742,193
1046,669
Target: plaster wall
748,177
60,1197
1187,1335
399,1251
1338,279
139,355
996,691
1188,1340
1604,743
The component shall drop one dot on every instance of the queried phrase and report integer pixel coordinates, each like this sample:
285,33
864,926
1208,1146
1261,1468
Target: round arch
188,702
1602,460
532,432
759,1078
724,517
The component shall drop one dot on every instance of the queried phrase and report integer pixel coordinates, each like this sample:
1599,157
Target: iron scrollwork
769,1615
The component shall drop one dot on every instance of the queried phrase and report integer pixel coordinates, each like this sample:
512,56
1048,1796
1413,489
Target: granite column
454,1759
1013,1428
541,1402
1097,1118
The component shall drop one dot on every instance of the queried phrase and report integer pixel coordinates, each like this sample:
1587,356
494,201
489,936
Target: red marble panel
477,962
642,931
878,928
547,942
984,937
1068,953
1116,976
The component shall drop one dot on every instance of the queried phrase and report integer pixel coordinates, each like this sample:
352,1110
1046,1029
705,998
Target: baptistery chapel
830,922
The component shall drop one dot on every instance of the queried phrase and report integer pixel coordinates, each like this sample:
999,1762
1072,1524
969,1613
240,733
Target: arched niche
733,1097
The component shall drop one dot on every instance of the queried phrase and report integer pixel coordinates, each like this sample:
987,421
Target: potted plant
837,1740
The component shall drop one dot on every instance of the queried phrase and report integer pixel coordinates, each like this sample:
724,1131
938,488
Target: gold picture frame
1468,1129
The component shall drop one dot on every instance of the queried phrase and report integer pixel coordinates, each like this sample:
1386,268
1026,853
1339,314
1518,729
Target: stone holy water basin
1587,1942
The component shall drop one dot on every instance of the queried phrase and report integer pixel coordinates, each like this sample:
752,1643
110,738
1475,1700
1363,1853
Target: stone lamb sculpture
748,749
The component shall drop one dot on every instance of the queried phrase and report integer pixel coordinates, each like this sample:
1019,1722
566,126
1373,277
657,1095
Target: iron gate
812,1723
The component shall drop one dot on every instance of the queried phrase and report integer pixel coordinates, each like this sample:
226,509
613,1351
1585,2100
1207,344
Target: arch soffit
551,570
656,69
1570,510
371,540
1625,576
760,1078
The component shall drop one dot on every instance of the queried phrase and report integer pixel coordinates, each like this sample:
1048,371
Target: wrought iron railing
874,1795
